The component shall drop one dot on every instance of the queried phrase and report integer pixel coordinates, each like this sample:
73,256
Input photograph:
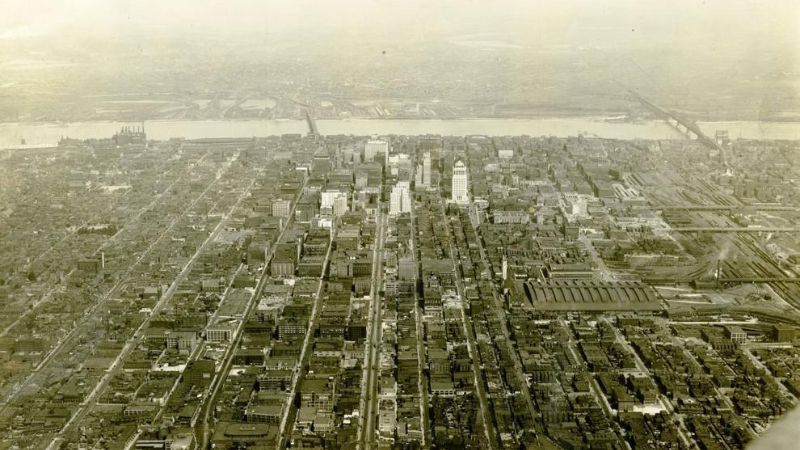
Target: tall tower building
328,196
376,148
460,191
426,170
340,206
400,198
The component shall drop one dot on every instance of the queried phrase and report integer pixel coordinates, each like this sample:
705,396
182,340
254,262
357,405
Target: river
40,134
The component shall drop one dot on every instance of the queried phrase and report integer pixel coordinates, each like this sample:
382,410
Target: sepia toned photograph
399,224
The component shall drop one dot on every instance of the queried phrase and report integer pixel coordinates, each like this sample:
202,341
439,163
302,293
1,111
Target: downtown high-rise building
376,148
340,205
426,170
400,199
328,196
460,188
423,174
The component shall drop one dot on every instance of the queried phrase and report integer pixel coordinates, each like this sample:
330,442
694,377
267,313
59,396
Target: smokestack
102,260
718,274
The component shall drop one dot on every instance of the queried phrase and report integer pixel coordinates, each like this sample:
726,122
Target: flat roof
590,295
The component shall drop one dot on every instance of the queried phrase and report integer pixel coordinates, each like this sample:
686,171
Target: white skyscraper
376,148
400,198
328,196
460,189
340,206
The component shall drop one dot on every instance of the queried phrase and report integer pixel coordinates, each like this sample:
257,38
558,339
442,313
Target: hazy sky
723,47
708,23
740,57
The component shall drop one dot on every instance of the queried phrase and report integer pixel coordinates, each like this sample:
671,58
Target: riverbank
38,134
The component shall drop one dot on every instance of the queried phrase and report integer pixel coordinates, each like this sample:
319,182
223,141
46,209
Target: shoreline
44,134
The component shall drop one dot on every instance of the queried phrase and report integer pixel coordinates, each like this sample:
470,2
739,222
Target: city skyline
399,225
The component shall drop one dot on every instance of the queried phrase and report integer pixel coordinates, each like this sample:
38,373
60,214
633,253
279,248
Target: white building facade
460,188
400,198
376,148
